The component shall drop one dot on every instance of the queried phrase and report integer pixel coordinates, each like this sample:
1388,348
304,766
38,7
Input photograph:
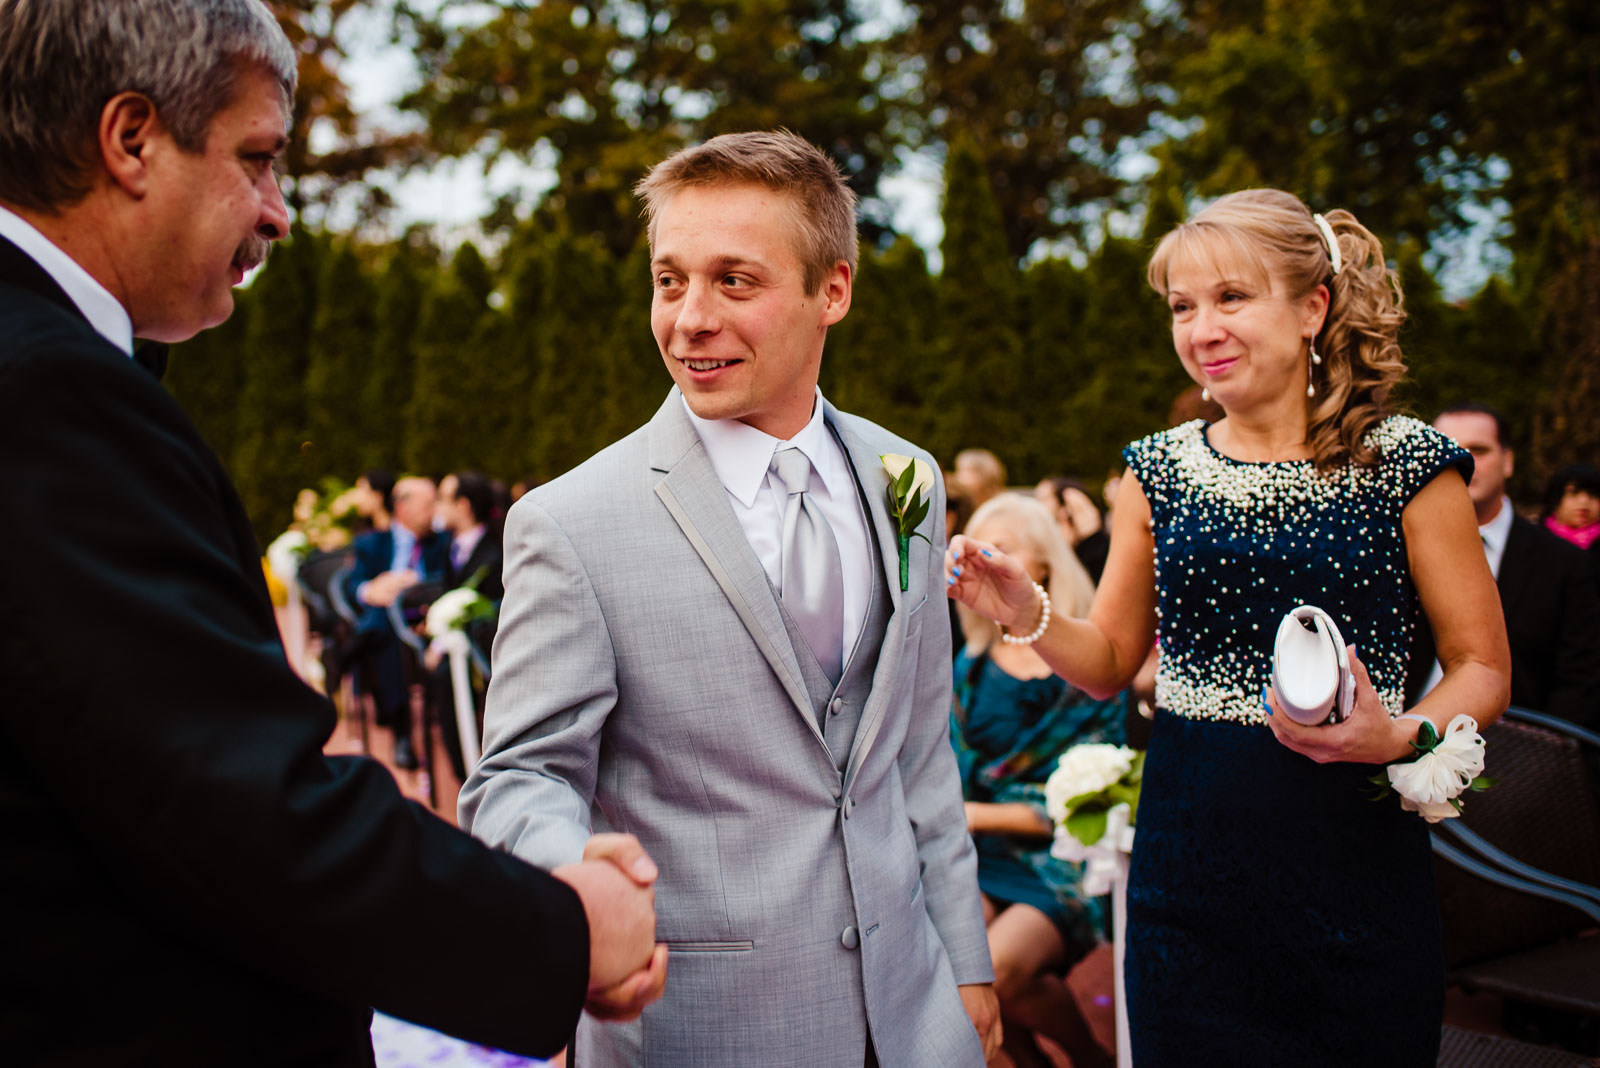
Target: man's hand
983,1008
627,999
382,589
614,881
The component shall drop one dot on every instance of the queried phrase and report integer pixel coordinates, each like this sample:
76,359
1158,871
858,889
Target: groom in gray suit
705,643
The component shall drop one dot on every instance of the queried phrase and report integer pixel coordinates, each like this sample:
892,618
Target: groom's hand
983,1008
614,882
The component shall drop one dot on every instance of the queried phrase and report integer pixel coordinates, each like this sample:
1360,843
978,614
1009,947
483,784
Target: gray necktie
813,577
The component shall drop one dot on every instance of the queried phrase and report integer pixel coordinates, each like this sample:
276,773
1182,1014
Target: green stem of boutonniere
904,541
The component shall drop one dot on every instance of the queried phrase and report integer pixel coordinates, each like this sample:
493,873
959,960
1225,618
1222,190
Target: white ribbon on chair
454,644
1105,870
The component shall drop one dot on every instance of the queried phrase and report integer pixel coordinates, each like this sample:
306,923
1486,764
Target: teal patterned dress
1008,734
1277,915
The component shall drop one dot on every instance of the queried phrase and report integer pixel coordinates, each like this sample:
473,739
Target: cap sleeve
1414,454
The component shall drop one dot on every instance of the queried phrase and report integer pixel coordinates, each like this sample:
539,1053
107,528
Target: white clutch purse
1311,668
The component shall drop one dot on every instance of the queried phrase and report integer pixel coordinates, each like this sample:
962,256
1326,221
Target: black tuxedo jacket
489,557
188,880
1547,589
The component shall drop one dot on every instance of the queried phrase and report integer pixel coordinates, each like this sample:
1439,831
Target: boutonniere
910,496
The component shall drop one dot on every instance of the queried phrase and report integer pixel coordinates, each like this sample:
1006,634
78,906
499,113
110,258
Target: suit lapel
874,482
698,503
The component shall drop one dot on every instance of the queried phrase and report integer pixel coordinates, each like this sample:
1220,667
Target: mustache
252,253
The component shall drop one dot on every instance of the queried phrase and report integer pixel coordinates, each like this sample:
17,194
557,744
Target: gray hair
62,60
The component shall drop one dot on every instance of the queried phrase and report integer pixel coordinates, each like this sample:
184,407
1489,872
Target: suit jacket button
850,939
835,706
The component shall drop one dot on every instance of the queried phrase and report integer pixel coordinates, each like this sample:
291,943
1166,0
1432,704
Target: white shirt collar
1497,530
741,455
104,312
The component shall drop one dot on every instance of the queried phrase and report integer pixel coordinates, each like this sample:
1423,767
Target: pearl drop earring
1205,394
1311,389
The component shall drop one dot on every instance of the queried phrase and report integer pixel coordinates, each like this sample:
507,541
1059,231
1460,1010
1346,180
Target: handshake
616,882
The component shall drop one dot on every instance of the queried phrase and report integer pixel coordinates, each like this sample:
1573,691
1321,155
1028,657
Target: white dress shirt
103,311
741,455
1494,534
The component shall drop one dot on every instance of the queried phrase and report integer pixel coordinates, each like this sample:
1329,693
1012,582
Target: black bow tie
152,356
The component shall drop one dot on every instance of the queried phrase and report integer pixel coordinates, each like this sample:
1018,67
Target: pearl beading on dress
1238,544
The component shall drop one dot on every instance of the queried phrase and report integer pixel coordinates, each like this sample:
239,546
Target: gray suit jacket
644,682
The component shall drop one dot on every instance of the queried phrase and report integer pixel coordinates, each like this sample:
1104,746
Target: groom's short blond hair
783,162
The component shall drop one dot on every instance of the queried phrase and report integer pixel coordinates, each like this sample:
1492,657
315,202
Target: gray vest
838,708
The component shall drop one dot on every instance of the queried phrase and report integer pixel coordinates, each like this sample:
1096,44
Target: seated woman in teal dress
1013,718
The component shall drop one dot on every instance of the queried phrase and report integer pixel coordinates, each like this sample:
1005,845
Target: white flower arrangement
285,553
1093,799
1431,782
1089,781
454,610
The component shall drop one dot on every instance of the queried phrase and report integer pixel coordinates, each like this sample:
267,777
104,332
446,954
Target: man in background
1547,588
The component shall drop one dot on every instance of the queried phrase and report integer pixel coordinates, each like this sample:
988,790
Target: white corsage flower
1432,782
285,553
910,497
1084,769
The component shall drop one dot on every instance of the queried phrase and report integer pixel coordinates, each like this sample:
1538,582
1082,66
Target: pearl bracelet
1044,621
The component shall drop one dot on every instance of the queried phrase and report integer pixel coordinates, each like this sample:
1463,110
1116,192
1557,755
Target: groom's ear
836,287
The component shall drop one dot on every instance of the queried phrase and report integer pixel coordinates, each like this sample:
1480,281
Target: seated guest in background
1079,520
1012,720
190,879
980,473
387,563
375,498
1572,505
1547,588
466,506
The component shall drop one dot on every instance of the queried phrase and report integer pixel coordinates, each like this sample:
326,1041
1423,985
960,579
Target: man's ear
836,293
128,124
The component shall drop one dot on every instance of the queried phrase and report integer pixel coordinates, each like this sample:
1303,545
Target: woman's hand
990,583
1368,736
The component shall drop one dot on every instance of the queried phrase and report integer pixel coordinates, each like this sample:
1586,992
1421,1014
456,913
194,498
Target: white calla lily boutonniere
910,497
1432,781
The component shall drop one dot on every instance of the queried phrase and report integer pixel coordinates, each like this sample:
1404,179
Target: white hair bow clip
1332,242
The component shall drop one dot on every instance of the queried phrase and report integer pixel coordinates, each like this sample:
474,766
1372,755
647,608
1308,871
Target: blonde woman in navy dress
1276,915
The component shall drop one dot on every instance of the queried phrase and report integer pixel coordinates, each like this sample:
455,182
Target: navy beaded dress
1277,915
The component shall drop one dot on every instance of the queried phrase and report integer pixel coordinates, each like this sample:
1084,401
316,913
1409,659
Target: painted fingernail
949,582
955,571
986,552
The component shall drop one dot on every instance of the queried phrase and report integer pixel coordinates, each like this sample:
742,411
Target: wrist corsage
1431,781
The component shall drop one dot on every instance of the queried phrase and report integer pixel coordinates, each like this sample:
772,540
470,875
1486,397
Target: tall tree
880,361
576,366
1053,94
386,394
442,417
271,462
206,375
979,399
338,426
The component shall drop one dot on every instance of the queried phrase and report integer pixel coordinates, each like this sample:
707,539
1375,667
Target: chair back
316,577
1542,811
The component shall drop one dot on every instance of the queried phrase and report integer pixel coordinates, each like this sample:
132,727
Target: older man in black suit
188,879
1547,588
